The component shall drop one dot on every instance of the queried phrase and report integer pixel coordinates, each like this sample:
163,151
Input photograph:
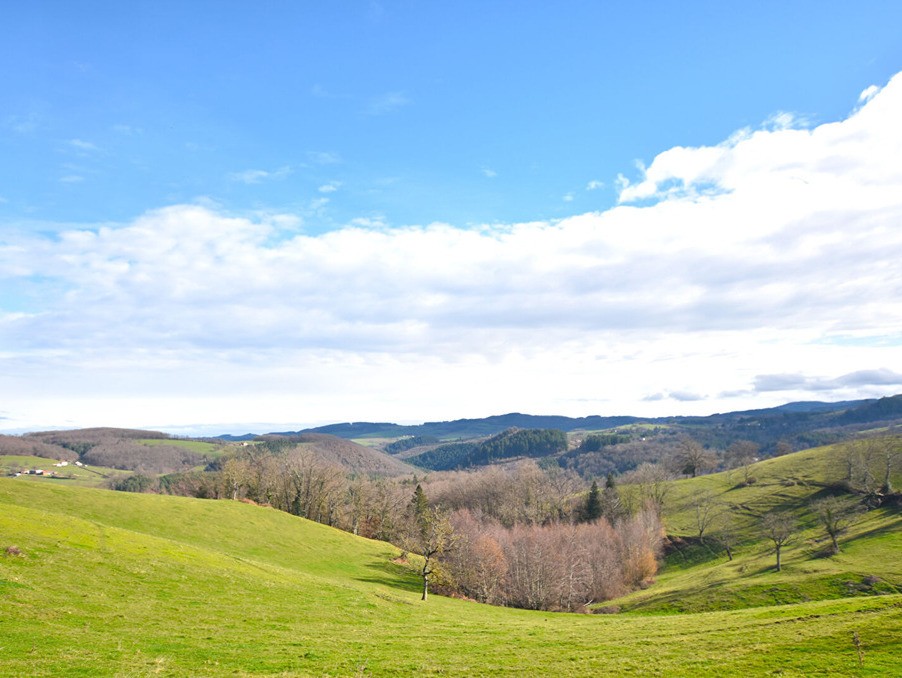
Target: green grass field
698,576
122,584
80,476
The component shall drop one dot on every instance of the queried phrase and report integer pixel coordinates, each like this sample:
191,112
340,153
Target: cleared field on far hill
82,476
114,583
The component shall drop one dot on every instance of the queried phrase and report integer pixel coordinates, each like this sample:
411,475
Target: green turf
124,584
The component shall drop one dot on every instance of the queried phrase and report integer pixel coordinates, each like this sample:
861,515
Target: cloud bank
764,267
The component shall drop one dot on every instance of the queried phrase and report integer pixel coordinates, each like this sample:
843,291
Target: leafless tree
836,515
780,528
651,483
705,509
693,458
726,534
742,454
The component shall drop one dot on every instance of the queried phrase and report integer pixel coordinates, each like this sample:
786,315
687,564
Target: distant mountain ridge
802,423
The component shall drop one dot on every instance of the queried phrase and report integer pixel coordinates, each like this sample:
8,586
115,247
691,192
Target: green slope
122,584
698,576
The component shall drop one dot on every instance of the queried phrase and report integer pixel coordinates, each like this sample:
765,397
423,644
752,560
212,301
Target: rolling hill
351,456
699,576
97,582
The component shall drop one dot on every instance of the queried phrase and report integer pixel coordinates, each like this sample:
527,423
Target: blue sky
415,112
469,185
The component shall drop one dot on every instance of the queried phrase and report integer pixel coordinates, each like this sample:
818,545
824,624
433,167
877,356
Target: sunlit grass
122,584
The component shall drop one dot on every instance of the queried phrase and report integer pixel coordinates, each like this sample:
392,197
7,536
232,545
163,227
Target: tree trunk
425,585
778,559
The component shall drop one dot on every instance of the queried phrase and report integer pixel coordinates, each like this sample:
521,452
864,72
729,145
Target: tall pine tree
592,509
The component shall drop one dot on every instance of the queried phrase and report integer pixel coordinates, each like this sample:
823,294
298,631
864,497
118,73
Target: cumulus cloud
868,94
724,269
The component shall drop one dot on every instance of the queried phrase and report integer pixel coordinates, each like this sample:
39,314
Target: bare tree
236,474
726,534
836,515
706,510
693,458
780,528
653,484
890,456
742,454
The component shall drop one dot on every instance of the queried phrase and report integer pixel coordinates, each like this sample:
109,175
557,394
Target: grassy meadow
107,583
698,576
80,476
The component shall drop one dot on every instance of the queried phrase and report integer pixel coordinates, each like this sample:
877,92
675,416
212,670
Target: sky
230,217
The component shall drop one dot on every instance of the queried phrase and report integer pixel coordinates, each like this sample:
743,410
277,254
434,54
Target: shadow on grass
392,575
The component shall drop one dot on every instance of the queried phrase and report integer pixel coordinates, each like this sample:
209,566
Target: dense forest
506,445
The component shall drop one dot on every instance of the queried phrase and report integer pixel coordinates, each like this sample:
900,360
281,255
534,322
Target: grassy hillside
698,576
81,476
113,583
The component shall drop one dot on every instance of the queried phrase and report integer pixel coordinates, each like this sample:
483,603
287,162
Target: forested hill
802,423
473,428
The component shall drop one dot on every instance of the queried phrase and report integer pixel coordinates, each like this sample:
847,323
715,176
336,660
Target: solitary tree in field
780,528
742,454
429,535
706,510
726,534
836,515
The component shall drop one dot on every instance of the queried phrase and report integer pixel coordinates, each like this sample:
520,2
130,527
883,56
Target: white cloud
489,173
802,382
594,185
331,187
568,197
759,266
82,145
868,94
324,157
256,176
